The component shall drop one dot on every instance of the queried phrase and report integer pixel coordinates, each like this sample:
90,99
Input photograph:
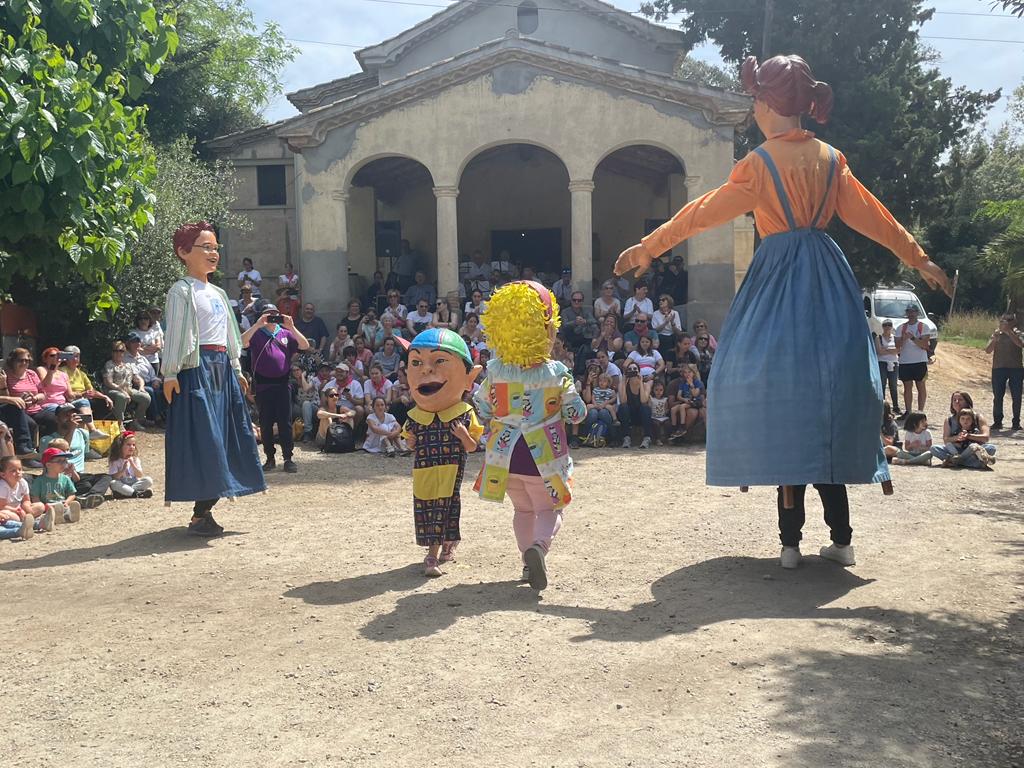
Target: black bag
339,439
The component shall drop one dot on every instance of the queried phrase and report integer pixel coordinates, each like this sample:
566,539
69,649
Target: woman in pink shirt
24,382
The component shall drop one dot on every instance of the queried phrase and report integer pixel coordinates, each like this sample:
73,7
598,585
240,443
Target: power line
972,39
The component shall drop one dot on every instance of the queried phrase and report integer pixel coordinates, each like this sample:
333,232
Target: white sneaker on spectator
72,512
46,521
627,442
645,443
28,527
790,557
841,555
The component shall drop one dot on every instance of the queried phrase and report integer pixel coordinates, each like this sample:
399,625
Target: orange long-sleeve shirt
803,164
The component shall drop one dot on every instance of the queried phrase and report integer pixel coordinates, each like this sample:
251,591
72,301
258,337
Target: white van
891,304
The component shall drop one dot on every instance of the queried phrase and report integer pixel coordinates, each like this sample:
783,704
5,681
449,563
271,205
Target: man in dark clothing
313,328
578,323
271,342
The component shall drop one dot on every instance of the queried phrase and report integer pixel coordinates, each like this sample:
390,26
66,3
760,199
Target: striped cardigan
181,331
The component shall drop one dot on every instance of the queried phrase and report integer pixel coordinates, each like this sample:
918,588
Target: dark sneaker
538,572
91,500
269,464
146,494
998,426
32,463
1015,426
204,526
290,466
213,523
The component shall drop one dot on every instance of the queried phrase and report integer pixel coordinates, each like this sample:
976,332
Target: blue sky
358,23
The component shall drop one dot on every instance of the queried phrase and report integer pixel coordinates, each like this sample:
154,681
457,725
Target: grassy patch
972,329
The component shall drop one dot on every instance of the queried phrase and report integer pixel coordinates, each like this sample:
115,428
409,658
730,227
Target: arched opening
636,189
391,199
527,17
514,207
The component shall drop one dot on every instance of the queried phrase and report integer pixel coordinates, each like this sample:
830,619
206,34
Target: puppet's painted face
438,379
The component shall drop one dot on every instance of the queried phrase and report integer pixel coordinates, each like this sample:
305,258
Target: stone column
447,239
582,236
709,265
324,244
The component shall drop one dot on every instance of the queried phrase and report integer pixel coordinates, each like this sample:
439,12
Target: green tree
225,71
703,73
1016,7
73,166
895,117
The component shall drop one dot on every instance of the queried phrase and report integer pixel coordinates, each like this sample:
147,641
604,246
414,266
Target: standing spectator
637,304
24,382
289,279
151,382
701,327
313,328
387,357
609,339
913,342
354,318
124,386
579,326
420,291
444,316
668,326
395,308
405,266
631,339
607,303
272,341
888,363
1005,346
251,276
342,341
150,337
562,289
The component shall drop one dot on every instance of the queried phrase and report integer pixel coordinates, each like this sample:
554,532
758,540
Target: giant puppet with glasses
210,450
795,339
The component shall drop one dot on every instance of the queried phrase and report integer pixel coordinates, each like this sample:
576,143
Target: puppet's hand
243,384
460,431
935,277
171,388
635,257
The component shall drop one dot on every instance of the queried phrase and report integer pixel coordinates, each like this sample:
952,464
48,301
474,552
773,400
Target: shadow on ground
156,542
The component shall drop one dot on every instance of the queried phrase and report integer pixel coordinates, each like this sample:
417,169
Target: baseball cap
566,270
133,336
886,322
443,339
66,408
50,454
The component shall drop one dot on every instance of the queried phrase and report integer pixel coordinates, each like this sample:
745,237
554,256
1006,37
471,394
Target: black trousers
1001,377
275,407
837,514
21,428
93,484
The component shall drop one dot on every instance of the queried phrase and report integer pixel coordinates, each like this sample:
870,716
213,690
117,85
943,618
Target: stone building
556,133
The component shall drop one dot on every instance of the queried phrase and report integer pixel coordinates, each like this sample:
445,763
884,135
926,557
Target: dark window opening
527,17
270,188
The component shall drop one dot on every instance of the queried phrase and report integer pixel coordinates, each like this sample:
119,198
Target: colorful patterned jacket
533,403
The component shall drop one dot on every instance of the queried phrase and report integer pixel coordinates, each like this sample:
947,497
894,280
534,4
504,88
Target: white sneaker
28,527
46,521
841,555
645,443
790,557
627,442
72,512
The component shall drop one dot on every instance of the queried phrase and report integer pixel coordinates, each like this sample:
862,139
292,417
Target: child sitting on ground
382,431
92,498
54,489
917,442
126,469
16,504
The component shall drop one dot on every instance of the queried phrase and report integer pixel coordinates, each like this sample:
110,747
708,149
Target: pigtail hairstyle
786,85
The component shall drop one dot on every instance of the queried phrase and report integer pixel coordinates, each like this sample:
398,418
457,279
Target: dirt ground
669,635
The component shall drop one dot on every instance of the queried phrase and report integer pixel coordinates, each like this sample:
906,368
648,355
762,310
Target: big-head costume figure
527,397
440,429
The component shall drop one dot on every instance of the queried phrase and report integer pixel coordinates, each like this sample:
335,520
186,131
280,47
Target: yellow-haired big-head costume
520,321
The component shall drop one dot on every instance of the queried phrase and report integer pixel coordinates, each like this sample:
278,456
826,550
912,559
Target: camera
275,318
65,356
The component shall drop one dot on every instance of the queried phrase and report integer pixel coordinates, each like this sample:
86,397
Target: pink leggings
536,521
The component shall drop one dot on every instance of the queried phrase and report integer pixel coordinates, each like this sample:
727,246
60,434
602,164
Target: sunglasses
703,338
23,360
332,394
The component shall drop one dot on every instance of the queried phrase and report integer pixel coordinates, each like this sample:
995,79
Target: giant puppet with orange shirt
795,340
525,400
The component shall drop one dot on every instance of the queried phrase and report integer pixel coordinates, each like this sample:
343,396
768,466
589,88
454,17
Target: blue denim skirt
795,395
210,450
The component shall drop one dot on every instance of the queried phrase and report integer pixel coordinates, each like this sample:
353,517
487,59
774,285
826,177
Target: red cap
54,453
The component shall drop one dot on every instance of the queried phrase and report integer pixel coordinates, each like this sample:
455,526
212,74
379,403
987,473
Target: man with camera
271,341
1006,346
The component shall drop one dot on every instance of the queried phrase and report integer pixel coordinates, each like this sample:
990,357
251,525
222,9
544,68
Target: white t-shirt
355,389
889,348
151,336
602,307
911,353
370,390
212,314
12,497
374,441
253,276
646,362
643,305
667,325
420,319
915,443
613,370
659,408
288,282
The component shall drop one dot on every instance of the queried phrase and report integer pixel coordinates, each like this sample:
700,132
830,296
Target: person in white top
350,392
888,363
913,342
383,432
290,278
420,319
250,275
638,302
606,303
